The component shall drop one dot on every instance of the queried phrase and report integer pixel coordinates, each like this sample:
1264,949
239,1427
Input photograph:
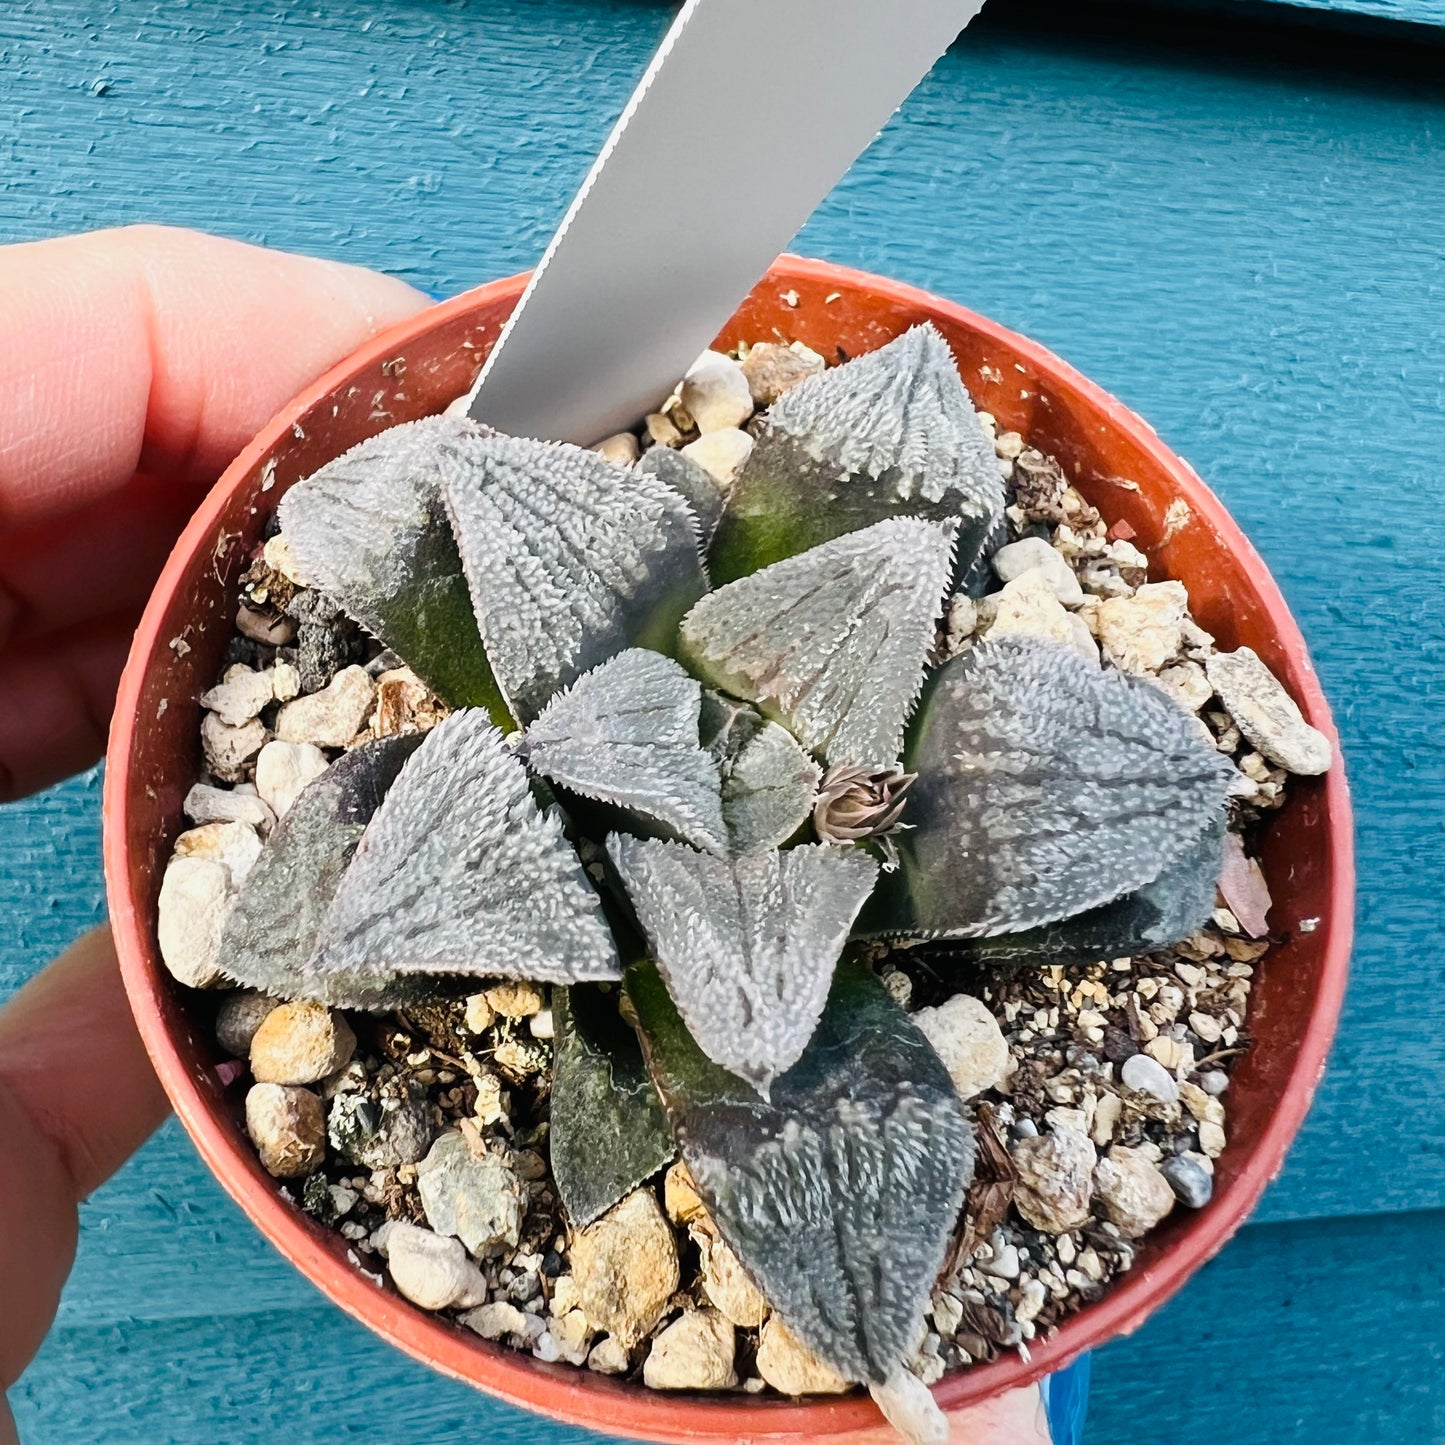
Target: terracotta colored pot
1116,461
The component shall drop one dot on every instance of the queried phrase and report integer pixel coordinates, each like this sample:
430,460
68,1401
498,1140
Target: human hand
135,364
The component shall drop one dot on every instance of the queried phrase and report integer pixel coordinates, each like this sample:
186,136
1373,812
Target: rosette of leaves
709,991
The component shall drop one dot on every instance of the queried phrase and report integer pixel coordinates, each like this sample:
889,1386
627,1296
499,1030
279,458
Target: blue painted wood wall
1240,238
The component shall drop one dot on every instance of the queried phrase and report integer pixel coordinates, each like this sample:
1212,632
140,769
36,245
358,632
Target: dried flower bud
858,802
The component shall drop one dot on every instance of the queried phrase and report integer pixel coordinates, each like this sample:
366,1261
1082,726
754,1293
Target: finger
71,1055
160,350
56,702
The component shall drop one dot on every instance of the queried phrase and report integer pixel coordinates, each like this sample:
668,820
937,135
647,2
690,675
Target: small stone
1143,632
716,392
1214,1081
960,621
265,627
727,1286
772,369
695,1352
496,1320
196,896
1266,714
621,450
1134,1193
394,1130
720,453
515,1000
1028,605
1106,1116
625,1268
966,1036
680,1197
205,804
279,557
661,430
1206,1027
1003,1265
240,696
1035,554
285,680
478,1198
284,769
1009,445
227,750
432,1271
1211,1139
479,1015
1186,683
1055,1184
609,1357
1190,1181
1165,1050
541,1025
404,704
287,1128
332,717
1146,1075
1243,887
235,846
300,1043
572,1334
238,1018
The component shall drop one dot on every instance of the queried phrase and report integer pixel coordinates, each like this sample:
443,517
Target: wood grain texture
1243,248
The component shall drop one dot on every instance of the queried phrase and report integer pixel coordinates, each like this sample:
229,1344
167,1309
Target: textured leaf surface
369,529
690,480
627,733
608,1130
460,872
569,559
838,1195
1046,786
747,947
892,433
832,643
271,931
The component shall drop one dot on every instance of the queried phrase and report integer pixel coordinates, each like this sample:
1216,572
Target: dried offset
747,946
832,643
608,1131
271,932
369,529
460,872
839,1194
1046,786
569,559
626,733
892,433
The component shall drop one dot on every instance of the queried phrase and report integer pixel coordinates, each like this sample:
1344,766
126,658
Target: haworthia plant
627,733
608,1130
1046,786
840,1192
747,946
460,872
832,643
271,932
569,559
370,531
768,780
892,433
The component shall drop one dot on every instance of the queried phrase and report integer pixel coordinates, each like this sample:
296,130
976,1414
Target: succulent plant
630,803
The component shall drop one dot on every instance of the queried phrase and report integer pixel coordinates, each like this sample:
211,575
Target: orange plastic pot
1116,461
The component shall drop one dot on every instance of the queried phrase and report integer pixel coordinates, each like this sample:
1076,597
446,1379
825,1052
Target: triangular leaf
838,1196
271,932
747,947
892,433
569,559
370,531
691,480
460,872
1046,786
832,643
608,1131
627,733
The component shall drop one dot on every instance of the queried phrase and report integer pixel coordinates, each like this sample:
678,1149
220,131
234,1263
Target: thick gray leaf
569,559
627,733
768,781
460,872
271,932
691,480
608,1131
1046,786
892,433
747,947
832,643
370,531
839,1195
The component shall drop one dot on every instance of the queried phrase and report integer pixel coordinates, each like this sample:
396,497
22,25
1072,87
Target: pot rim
579,1396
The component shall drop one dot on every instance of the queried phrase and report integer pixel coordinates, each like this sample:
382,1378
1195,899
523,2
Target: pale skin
134,365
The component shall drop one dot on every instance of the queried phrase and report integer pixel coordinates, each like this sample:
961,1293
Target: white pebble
431,1271
720,453
284,769
1035,554
240,695
1147,1075
966,1036
332,717
716,393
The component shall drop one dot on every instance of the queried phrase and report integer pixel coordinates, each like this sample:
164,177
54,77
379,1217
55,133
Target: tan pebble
716,394
240,695
1106,1117
283,771
683,1202
479,1015
515,1000
620,449
235,846
966,1036
285,681
625,1268
790,1367
1166,1050
1143,632
238,1018
772,369
1135,1195
265,627
227,750
1212,1139
727,1286
695,1352
332,717
1055,1184
662,431
195,899
300,1043
609,1357
279,557
288,1128
720,453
